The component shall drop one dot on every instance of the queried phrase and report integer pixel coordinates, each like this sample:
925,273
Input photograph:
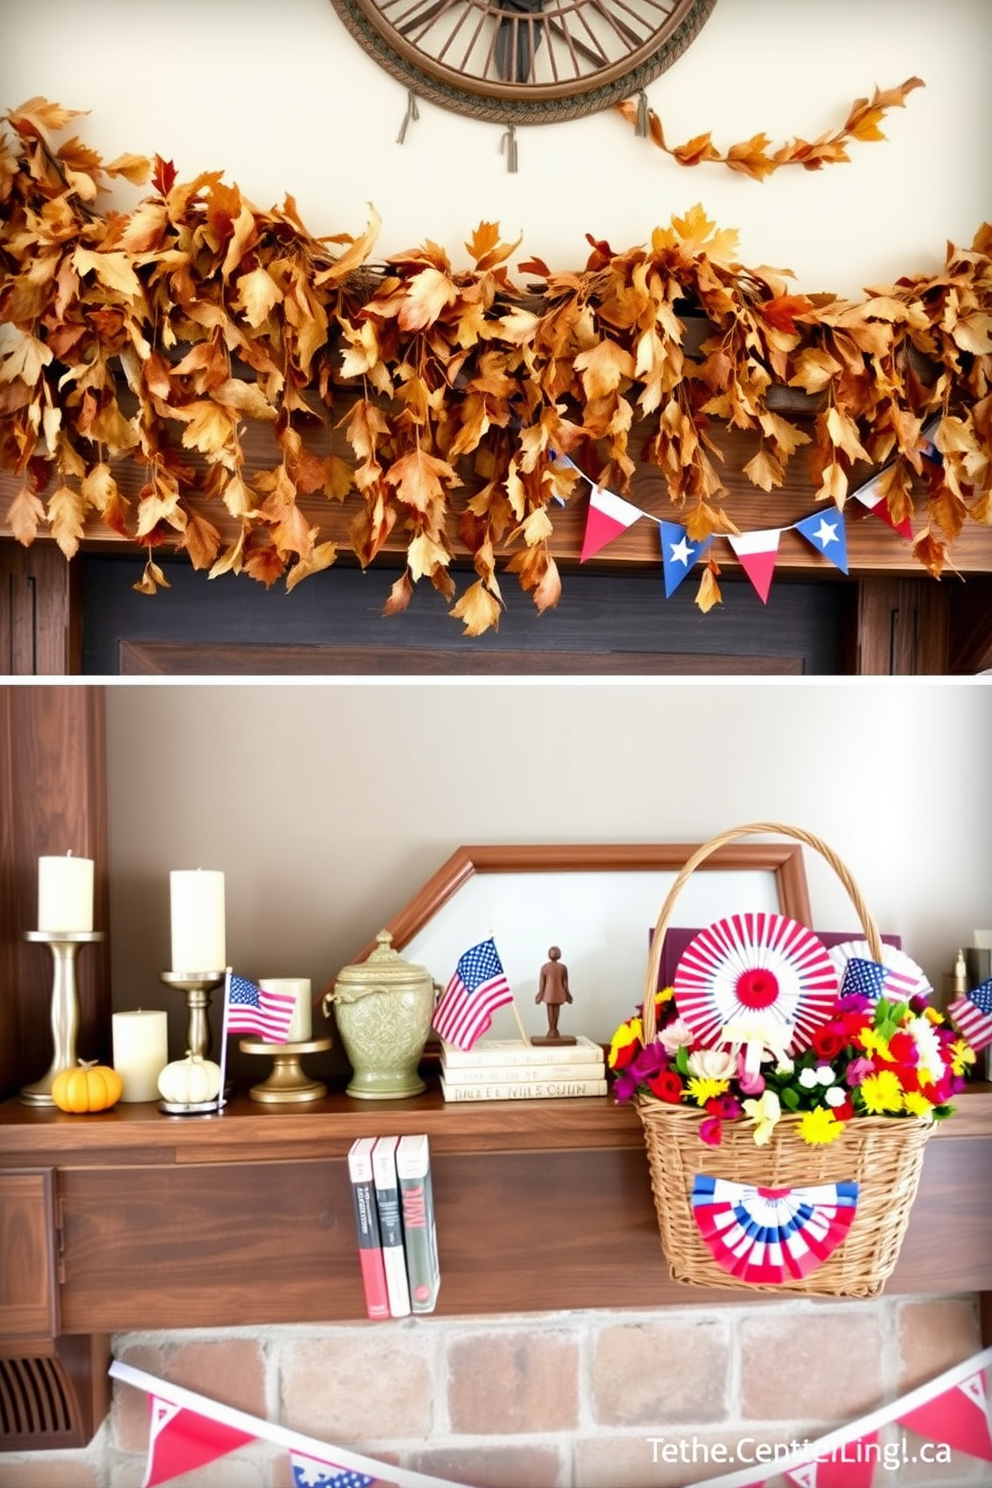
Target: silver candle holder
197,986
65,946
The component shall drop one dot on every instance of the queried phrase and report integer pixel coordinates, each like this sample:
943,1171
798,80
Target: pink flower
710,1131
858,1070
676,1035
749,1084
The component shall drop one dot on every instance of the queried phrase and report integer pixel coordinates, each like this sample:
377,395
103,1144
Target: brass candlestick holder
65,946
197,986
287,1083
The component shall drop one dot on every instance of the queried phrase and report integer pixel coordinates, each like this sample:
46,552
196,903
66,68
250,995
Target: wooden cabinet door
29,1288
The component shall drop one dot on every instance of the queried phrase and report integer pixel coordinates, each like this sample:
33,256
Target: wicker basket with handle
883,1155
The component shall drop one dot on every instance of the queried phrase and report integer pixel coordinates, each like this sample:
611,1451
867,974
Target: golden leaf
424,554
24,514
603,367
200,539
208,426
815,370
765,470
321,557
152,579
258,293
419,478
21,355
134,168
399,595
113,270
238,498
708,594
101,492
244,397
65,513
362,351
355,255
38,115
833,485
477,609
843,433
973,333
428,293
111,428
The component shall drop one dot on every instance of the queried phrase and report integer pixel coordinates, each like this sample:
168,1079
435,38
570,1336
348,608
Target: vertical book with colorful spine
387,1196
367,1225
413,1167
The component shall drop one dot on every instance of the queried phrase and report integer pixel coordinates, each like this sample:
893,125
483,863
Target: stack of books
394,1216
510,1069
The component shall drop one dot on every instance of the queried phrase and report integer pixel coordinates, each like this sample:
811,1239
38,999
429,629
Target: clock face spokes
508,57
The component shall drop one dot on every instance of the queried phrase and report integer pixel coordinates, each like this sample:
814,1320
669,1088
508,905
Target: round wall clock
524,61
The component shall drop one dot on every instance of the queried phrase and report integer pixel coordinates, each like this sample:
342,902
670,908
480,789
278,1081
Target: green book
413,1169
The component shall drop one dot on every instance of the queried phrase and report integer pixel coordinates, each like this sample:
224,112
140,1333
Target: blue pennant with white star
826,531
678,554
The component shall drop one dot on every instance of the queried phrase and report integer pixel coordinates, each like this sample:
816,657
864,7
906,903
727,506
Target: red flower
667,1087
828,1041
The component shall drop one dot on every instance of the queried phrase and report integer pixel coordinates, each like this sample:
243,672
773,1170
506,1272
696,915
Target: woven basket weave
883,1155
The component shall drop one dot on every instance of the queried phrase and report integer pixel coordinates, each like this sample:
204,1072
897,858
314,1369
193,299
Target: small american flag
252,1009
972,1015
873,980
477,988
308,1472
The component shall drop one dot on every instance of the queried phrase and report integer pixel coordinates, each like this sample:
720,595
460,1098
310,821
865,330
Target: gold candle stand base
65,1006
197,986
287,1083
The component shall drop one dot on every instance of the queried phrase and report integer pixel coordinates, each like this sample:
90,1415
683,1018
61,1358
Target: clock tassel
643,127
508,145
412,114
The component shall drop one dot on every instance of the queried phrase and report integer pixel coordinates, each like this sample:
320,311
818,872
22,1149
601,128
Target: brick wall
552,1400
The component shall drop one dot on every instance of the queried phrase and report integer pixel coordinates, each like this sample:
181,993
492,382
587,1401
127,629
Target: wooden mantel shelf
166,1220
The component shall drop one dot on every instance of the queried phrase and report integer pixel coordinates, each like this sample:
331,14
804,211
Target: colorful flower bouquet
868,1058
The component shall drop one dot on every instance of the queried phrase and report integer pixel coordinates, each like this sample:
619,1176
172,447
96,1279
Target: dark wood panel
600,615
54,793
164,658
28,1280
904,628
517,1232
38,610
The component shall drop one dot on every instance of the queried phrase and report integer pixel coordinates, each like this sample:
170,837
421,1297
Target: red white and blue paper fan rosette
757,972
897,978
766,1235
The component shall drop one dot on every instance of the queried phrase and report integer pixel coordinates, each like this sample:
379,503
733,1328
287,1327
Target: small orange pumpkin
91,1087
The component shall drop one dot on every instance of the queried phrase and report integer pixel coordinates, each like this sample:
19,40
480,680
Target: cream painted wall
277,95
328,805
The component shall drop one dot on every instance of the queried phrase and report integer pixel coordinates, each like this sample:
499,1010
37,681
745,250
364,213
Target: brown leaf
321,557
708,594
477,609
201,539
24,514
399,595
419,478
152,579
428,294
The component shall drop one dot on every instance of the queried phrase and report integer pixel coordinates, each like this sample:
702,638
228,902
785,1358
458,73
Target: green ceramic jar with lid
383,1007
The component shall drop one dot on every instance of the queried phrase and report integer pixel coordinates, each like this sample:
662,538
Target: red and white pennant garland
951,1411
757,552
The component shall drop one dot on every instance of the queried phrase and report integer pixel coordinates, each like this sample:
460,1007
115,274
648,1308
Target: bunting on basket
769,1234
759,1076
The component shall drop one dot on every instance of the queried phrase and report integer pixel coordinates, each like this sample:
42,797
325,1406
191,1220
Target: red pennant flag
182,1440
757,552
959,1417
608,516
869,496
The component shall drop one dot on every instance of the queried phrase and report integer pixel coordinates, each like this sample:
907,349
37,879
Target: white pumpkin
190,1081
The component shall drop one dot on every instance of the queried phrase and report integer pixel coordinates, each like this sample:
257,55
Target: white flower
713,1064
835,1096
675,1035
924,1036
808,1078
785,1065
825,1075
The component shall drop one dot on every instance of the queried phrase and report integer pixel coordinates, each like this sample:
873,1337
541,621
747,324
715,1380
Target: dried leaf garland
156,337
756,158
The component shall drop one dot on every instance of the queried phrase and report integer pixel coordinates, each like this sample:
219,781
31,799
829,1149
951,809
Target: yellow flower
820,1125
765,1113
962,1054
663,995
933,1015
628,1033
873,1043
882,1093
703,1090
917,1104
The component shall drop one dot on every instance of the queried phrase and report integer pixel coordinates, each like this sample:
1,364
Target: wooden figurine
552,990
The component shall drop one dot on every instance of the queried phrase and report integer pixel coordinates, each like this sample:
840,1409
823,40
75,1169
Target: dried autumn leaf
257,295
38,115
399,595
24,514
321,557
152,579
477,609
708,594
764,470
603,368
428,294
419,478
424,554
113,270
21,355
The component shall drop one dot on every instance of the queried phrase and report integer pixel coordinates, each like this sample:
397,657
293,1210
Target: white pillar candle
198,936
65,894
299,1030
141,1052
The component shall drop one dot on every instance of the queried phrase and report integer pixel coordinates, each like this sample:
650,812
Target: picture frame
593,900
